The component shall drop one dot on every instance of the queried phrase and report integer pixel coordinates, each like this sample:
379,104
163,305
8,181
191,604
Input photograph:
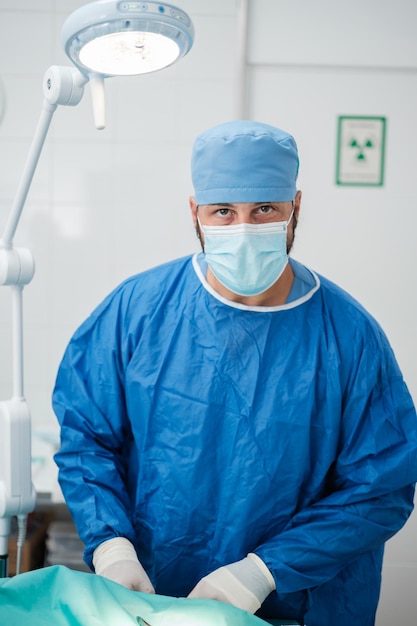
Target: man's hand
116,560
245,584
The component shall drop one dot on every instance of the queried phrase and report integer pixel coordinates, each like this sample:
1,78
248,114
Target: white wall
106,204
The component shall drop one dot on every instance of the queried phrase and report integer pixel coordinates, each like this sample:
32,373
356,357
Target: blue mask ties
246,258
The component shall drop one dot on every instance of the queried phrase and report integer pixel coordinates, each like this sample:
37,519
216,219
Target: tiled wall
103,204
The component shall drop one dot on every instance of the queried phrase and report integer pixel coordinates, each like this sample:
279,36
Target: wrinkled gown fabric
202,430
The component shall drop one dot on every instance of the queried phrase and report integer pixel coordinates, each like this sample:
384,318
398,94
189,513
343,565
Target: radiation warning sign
360,150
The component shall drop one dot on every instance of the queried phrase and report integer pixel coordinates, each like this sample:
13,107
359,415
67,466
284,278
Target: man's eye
266,208
223,212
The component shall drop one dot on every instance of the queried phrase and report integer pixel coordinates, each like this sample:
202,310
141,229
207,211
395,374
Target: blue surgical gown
202,430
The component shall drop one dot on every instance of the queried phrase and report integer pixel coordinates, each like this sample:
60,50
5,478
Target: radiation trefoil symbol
361,148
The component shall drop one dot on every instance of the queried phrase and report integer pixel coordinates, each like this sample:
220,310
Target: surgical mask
247,258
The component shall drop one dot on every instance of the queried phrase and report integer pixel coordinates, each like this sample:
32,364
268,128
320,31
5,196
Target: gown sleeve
89,403
369,491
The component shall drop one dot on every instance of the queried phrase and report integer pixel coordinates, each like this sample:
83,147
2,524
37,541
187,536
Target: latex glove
116,559
245,584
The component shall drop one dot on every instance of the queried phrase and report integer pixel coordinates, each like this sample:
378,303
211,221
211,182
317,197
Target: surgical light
128,54
103,39
125,38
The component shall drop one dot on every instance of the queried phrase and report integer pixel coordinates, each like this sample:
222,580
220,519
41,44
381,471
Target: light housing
121,38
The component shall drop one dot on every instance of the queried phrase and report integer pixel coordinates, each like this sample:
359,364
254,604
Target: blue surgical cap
244,161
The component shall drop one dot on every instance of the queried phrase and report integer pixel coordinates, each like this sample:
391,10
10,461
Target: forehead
244,205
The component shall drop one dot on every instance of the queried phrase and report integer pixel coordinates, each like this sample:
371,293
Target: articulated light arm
62,85
104,38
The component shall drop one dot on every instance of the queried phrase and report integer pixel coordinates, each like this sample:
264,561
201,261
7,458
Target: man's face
228,214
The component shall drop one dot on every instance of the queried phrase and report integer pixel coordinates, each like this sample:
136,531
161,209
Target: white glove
245,584
116,559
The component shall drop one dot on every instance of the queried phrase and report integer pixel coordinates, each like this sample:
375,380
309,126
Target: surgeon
233,425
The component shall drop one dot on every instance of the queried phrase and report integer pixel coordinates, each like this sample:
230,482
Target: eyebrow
231,204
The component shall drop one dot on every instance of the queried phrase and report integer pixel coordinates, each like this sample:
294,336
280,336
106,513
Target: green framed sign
360,150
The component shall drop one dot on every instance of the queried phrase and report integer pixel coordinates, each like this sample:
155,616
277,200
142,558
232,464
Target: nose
244,216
